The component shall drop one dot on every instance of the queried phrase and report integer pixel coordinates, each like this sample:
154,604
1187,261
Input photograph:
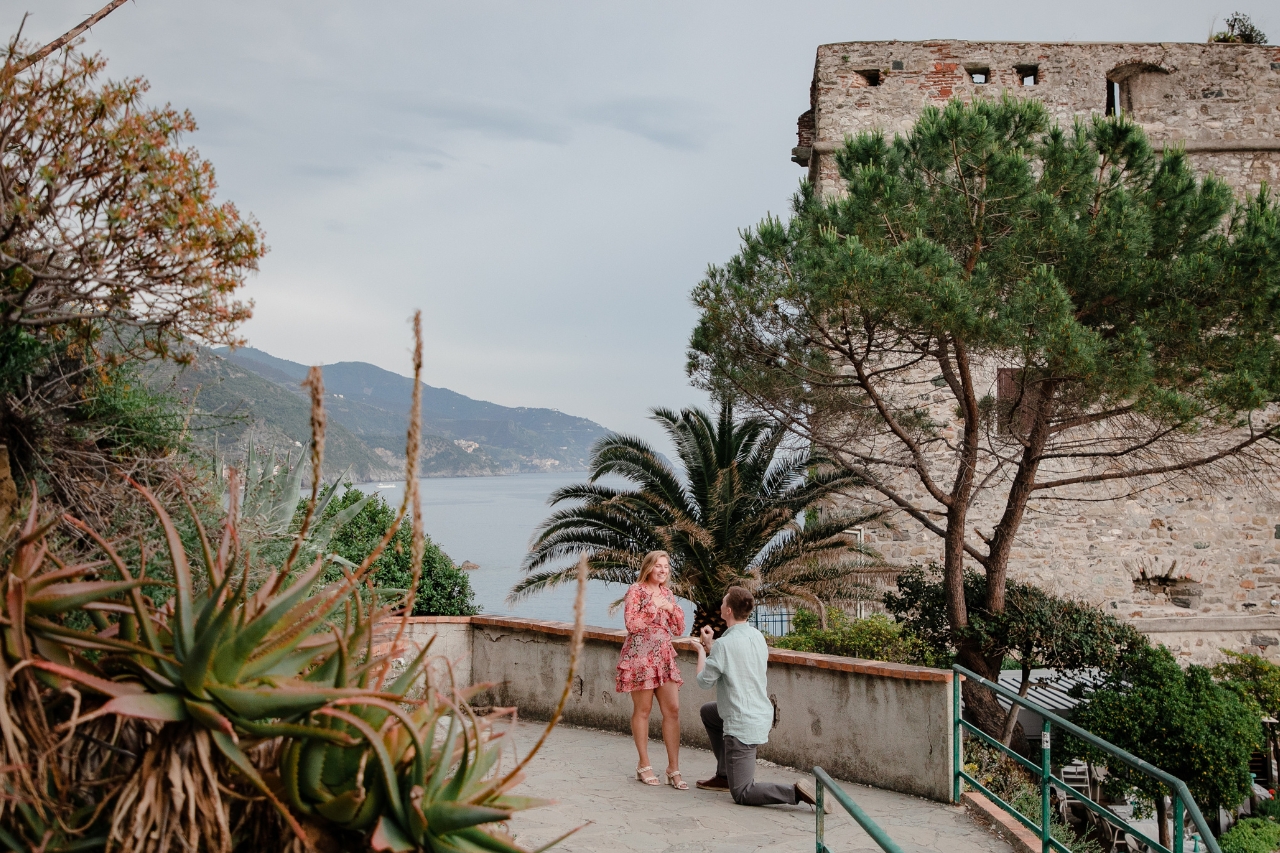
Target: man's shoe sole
808,788
703,787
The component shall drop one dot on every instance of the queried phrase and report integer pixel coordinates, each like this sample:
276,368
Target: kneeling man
740,718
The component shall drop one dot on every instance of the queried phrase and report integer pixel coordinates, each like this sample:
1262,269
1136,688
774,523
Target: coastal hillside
248,394
232,408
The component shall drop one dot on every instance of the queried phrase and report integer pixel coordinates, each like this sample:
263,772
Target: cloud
333,171
674,123
503,121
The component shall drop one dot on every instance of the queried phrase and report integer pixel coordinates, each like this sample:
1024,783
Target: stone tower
1196,567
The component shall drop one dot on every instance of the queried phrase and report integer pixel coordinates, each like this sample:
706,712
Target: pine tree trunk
1011,721
980,704
1162,815
703,615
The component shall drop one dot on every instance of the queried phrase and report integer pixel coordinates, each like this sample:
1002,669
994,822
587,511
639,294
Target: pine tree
1003,307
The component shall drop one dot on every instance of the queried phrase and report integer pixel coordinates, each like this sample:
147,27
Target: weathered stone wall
1221,101
1219,540
1218,544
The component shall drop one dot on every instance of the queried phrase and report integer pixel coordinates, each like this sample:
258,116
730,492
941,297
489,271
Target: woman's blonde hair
650,560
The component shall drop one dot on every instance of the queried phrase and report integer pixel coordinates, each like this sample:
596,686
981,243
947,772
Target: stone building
1195,566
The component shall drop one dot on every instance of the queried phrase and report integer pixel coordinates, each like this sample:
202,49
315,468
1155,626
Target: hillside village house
1194,563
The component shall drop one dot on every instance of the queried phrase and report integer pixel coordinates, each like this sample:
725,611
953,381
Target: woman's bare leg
669,703
641,705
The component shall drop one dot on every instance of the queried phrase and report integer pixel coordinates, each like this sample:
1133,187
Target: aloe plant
221,662
35,595
413,791
235,673
416,791
42,803
268,495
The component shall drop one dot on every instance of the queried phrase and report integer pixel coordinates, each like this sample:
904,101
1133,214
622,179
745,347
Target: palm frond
733,517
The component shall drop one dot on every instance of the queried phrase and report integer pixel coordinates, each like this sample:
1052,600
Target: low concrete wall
875,723
450,638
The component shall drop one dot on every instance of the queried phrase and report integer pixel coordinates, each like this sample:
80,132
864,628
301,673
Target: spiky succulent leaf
164,707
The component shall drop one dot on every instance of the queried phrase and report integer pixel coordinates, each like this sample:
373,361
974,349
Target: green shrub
1251,835
123,416
1269,809
1036,629
444,590
876,637
1252,676
1180,721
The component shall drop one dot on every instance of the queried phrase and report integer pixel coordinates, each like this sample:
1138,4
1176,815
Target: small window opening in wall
872,76
1028,75
1113,98
979,76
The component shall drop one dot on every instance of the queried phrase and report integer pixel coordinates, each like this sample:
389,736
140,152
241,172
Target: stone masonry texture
1195,564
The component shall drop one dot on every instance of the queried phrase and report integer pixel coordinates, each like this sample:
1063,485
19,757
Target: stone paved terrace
590,775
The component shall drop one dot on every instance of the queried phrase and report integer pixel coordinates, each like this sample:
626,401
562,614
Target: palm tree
733,518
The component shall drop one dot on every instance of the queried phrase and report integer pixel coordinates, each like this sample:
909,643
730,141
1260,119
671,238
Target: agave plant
147,728
230,662
268,492
416,790
42,802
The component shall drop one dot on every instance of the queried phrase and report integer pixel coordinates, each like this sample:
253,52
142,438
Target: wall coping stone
1000,822
433,620
1199,623
837,663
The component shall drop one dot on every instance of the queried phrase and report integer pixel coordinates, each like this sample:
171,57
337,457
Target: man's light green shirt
736,668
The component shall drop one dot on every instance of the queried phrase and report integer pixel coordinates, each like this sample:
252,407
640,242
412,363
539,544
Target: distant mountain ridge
368,412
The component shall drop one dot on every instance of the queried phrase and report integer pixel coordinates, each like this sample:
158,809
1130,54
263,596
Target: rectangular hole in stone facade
1113,98
978,74
1011,402
872,76
1028,75
896,65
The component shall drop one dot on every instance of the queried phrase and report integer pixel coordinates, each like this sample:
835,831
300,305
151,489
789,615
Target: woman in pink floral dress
648,664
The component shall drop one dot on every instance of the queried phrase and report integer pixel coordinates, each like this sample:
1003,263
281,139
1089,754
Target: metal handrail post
1177,823
819,823
956,755
1045,833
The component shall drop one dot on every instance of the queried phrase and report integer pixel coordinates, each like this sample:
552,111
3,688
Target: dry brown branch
575,647
412,449
314,383
66,38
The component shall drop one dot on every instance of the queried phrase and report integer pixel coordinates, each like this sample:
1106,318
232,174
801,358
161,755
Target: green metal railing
873,829
1182,799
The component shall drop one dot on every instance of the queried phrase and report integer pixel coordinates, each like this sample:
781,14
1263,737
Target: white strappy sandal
676,781
653,777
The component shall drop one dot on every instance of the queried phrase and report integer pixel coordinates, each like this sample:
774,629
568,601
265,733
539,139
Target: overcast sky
546,181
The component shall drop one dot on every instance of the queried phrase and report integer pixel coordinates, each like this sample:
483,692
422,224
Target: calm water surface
490,521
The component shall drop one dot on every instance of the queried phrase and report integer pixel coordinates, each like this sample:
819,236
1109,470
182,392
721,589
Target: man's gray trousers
736,761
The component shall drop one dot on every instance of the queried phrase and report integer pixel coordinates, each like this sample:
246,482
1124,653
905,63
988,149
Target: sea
490,521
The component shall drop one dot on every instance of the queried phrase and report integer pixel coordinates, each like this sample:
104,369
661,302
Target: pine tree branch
1187,465
66,38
